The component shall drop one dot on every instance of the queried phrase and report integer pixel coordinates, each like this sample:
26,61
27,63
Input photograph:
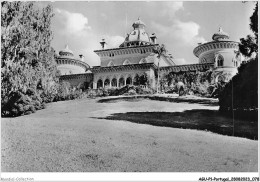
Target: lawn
79,136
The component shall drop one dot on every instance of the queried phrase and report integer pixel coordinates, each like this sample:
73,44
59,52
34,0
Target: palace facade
134,62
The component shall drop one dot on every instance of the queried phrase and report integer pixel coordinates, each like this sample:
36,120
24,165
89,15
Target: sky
180,26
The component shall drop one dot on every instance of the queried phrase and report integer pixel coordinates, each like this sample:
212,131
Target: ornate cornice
71,61
215,45
125,50
187,67
98,69
76,76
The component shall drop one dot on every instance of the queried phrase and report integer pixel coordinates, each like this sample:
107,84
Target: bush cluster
20,103
241,93
195,83
126,90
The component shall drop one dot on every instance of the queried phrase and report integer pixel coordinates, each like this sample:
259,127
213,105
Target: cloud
171,7
184,32
103,15
75,23
73,29
114,41
180,61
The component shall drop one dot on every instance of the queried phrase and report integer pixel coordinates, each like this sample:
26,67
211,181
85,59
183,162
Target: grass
199,119
69,137
204,101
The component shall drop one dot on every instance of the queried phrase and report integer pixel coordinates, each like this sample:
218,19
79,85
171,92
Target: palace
135,62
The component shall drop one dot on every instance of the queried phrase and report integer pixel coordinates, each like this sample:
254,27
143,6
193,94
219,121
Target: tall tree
160,51
27,59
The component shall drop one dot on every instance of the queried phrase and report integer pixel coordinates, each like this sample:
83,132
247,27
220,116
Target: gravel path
66,137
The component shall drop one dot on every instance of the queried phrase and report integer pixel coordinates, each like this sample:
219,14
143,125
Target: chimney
103,44
153,38
81,57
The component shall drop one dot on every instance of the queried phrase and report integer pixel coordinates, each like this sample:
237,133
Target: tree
241,92
27,59
249,45
160,51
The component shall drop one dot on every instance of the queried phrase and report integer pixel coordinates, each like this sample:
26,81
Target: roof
101,50
220,35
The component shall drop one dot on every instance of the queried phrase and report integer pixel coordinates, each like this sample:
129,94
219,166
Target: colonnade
117,82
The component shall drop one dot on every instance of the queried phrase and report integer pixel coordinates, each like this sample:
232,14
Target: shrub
28,112
20,108
132,92
242,91
30,92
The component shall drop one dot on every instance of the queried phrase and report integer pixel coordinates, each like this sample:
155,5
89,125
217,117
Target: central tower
138,36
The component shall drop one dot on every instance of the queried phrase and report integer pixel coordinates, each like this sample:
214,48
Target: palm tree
161,51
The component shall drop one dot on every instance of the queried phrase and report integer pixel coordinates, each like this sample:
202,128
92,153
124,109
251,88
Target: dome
220,35
138,24
66,52
138,36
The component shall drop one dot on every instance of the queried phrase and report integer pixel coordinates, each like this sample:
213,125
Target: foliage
241,93
66,92
27,59
141,80
249,45
195,83
20,103
254,22
126,90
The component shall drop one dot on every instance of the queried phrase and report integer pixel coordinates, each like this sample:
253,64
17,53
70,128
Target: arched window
106,82
121,82
136,80
111,63
114,82
99,83
126,62
129,81
220,60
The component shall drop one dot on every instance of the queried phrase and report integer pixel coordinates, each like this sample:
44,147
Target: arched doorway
129,81
143,80
136,80
114,82
107,83
121,82
99,83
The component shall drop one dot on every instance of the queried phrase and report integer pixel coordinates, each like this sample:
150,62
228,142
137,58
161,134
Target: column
110,84
94,85
125,81
103,83
117,82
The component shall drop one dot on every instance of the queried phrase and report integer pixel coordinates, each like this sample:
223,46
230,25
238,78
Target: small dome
220,35
138,24
139,35
66,52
